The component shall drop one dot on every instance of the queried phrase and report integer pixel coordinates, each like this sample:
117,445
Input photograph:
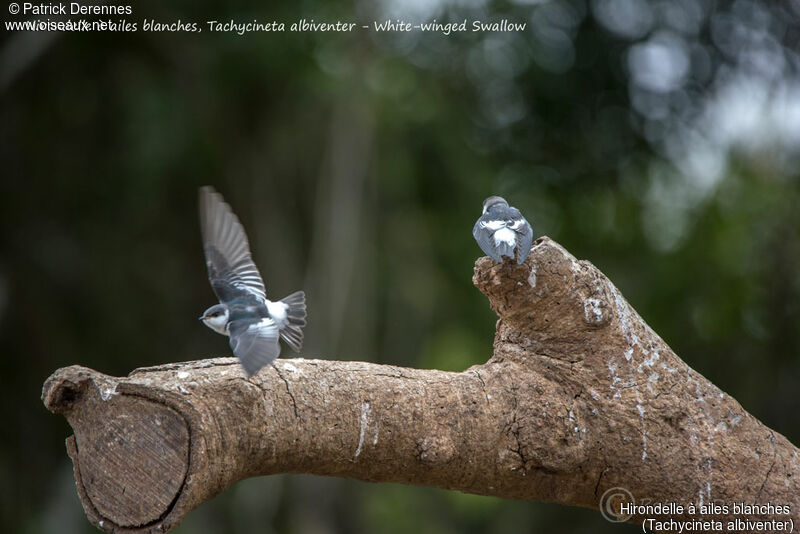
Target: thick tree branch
579,397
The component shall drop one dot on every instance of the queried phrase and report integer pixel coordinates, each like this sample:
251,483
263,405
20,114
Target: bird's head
493,201
216,318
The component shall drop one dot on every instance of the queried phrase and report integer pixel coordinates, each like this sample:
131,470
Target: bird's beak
201,317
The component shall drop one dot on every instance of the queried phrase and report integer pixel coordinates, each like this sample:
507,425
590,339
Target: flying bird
244,313
501,231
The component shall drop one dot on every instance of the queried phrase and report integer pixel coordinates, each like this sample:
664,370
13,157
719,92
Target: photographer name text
61,11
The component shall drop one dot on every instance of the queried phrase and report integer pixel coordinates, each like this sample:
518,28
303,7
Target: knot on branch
549,303
66,388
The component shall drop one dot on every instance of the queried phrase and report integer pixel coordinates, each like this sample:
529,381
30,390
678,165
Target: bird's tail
292,333
505,249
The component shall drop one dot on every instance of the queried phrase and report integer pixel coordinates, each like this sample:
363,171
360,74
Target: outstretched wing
484,235
231,270
255,344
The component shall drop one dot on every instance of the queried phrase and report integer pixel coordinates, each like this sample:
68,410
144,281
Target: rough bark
579,397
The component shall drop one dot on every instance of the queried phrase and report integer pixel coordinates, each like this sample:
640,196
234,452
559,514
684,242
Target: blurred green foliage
657,139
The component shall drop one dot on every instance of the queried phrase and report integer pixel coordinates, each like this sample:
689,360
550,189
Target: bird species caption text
618,505
61,11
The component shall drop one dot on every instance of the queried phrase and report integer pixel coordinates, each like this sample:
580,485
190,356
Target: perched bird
501,231
244,313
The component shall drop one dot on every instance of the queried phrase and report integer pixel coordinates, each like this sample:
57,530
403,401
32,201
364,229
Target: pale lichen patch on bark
365,412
